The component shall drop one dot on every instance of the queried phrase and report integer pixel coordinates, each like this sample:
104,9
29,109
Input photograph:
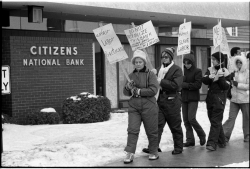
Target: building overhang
203,15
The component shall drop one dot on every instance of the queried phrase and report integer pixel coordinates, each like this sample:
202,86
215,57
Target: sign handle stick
124,71
182,55
219,46
150,66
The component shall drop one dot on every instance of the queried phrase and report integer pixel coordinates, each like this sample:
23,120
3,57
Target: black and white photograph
125,84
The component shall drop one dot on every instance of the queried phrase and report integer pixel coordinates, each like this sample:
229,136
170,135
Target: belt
217,91
168,92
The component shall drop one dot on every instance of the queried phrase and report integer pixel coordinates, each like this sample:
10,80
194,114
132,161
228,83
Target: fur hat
169,51
217,56
139,54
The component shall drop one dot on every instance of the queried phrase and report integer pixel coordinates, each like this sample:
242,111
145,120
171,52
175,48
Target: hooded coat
191,82
240,94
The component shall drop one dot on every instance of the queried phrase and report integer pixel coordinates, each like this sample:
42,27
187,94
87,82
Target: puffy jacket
147,82
172,81
240,94
191,82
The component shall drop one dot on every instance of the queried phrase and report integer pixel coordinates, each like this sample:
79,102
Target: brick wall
36,87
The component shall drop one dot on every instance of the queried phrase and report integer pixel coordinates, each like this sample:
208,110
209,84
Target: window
234,31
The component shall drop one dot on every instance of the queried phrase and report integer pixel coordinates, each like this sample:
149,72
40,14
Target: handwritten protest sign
224,48
110,43
217,34
142,36
184,39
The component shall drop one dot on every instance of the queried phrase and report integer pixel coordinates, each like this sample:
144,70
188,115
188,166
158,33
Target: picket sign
150,66
184,40
111,45
217,36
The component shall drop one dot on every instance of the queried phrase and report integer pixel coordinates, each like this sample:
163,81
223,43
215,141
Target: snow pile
92,144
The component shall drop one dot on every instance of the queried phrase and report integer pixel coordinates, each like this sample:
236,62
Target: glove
221,73
135,91
232,75
211,76
130,85
154,71
235,83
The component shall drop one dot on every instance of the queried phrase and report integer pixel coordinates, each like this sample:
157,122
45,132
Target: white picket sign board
142,36
224,48
184,39
110,43
5,80
217,34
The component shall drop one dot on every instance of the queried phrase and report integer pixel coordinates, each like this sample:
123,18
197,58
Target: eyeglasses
165,57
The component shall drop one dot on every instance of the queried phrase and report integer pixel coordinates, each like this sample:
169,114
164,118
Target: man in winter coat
170,78
218,80
142,107
240,98
190,98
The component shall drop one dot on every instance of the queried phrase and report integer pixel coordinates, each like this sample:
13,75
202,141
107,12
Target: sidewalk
236,151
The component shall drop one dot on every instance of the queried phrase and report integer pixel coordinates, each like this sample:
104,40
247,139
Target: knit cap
169,51
139,54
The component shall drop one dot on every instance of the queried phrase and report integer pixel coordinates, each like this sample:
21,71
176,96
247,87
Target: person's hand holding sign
130,85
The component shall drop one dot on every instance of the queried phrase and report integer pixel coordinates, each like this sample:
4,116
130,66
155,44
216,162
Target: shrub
86,108
37,117
8,119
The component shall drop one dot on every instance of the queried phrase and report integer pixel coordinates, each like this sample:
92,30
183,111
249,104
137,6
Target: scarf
162,72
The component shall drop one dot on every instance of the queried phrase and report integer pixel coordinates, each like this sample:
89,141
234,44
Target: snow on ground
92,144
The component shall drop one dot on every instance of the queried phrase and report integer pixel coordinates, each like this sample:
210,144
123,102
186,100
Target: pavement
236,151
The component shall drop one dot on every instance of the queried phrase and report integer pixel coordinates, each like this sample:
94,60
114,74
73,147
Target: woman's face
139,63
214,61
165,59
238,64
187,64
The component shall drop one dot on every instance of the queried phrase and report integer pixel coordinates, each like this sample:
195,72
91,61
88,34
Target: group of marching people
158,95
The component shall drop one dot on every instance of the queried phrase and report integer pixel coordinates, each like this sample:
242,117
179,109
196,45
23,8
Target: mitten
130,85
154,71
135,92
235,83
211,76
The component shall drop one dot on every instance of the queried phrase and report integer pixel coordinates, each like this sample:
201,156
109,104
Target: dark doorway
99,70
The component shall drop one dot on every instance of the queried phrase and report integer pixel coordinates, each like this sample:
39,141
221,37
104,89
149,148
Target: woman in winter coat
142,107
218,80
240,98
170,78
190,98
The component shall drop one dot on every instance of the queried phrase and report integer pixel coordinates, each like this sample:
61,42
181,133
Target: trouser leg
245,119
150,121
173,118
189,129
134,123
192,110
230,122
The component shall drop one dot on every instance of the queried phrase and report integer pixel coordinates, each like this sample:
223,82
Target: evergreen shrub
86,108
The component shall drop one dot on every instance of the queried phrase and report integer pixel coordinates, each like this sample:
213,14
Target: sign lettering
184,39
142,36
110,43
5,80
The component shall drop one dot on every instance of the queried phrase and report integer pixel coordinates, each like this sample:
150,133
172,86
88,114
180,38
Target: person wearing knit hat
218,82
190,98
170,78
142,107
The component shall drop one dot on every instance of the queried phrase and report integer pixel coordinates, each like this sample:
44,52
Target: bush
38,117
86,108
8,119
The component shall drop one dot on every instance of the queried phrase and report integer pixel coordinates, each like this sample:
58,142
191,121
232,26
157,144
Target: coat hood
189,57
243,59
